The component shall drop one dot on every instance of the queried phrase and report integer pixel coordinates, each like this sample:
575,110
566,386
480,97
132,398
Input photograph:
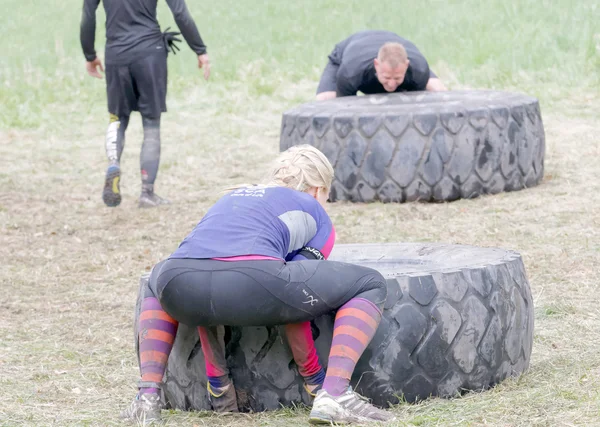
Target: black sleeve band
311,253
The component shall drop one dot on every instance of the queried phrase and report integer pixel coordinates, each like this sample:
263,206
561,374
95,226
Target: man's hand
93,66
324,96
435,85
204,62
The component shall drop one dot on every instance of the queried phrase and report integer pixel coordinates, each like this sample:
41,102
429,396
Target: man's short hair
393,54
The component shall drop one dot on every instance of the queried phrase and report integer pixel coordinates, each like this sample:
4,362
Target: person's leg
360,294
245,293
119,92
180,285
303,290
123,124
115,138
208,291
156,334
300,340
150,76
115,141
220,387
355,325
149,162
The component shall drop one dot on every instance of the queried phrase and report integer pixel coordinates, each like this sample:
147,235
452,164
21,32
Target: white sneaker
144,409
349,407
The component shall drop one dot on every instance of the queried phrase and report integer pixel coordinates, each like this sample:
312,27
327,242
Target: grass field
70,266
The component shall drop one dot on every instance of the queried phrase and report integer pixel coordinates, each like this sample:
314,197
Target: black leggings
204,292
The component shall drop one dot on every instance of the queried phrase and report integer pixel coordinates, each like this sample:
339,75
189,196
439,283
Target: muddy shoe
145,409
223,399
349,407
151,200
111,195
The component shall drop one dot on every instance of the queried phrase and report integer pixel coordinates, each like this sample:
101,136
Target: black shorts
140,86
204,292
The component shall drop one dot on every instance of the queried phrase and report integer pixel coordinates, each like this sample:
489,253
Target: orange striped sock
156,336
354,327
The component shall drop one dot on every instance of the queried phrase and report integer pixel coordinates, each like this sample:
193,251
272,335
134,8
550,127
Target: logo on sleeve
256,191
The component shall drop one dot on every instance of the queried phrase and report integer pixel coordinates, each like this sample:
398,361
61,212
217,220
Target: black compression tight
204,292
150,154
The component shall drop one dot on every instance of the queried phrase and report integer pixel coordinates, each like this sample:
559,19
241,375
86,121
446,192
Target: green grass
546,48
557,309
70,266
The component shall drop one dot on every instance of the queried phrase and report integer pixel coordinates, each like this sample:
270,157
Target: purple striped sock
156,335
354,327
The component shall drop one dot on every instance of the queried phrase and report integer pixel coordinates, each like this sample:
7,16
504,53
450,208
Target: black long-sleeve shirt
350,67
132,29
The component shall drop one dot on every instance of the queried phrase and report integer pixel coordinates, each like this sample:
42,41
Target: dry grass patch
71,266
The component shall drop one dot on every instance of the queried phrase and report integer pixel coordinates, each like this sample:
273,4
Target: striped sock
156,336
354,327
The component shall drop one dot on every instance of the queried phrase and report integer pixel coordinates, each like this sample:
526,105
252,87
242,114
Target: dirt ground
70,266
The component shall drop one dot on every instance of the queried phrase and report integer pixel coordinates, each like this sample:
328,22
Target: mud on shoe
111,195
145,409
347,408
223,399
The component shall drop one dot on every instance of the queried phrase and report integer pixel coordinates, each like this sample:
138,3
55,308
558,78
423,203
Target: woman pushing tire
259,258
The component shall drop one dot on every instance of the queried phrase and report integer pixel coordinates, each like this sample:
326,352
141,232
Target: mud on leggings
204,292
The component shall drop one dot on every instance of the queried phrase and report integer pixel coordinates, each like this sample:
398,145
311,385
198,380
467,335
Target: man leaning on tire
376,61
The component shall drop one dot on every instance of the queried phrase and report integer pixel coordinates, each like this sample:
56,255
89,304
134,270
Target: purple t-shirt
262,221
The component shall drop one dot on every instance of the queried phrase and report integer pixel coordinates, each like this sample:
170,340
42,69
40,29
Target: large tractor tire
423,146
457,318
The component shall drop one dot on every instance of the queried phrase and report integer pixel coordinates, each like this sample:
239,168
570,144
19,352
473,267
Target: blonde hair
393,54
300,167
